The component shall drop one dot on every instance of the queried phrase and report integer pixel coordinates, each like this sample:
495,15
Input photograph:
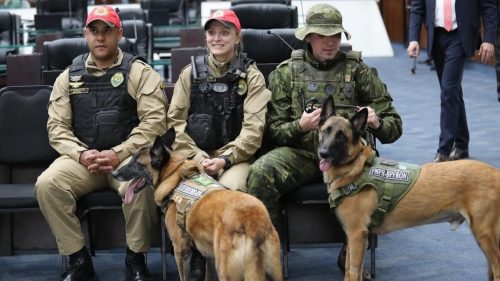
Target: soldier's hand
105,162
212,166
372,121
88,157
309,121
413,49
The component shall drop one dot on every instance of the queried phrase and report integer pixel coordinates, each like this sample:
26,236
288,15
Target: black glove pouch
201,129
108,129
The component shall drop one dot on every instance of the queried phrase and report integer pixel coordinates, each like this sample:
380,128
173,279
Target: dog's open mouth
325,164
135,186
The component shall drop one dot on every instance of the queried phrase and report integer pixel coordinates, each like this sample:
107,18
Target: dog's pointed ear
168,138
327,110
158,154
359,121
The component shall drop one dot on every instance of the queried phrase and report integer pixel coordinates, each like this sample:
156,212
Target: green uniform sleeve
373,92
283,125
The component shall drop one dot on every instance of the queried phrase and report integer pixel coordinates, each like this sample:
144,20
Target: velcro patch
390,174
189,191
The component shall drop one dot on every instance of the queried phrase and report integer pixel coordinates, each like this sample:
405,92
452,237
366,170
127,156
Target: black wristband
227,164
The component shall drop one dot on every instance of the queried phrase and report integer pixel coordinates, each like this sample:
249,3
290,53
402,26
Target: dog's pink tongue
129,194
324,165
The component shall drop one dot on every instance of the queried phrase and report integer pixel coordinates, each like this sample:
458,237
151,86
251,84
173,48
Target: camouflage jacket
348,78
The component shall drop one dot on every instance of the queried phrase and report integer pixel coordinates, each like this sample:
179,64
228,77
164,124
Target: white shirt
439,18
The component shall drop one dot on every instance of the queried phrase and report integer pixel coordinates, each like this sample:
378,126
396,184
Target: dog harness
392,181
192,188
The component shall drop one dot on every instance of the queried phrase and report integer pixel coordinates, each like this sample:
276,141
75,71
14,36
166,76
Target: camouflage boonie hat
322,19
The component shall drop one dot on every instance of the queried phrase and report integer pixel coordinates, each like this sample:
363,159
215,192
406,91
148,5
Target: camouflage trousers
280,171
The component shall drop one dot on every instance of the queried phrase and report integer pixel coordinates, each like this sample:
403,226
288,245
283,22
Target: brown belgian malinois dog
231,226
449,191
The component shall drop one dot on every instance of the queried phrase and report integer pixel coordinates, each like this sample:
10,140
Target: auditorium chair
24,153
61,15
267,49
9,25
140,35
167,18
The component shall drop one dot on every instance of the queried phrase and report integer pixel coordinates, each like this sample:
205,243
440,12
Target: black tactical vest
216,111
104,113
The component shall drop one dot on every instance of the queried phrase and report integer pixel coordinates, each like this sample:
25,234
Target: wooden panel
394,15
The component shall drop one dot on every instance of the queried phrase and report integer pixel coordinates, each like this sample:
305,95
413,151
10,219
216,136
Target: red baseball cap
106,14
226,17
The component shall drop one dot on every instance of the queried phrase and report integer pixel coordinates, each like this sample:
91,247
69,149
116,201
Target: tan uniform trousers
235,178
65,181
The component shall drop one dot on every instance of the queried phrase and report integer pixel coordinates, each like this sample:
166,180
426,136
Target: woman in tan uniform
218,107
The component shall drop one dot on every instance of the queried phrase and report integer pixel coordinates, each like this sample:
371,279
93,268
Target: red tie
448,24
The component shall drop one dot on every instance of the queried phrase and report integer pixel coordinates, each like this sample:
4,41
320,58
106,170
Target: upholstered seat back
23,125
58,54
238,2
267,49
7,35
74,12
266,15
163,12
139,33
264,47
132,13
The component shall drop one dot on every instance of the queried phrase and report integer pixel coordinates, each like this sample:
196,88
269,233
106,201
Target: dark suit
449,51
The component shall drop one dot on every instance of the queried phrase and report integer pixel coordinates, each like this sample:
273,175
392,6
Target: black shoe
197,266
135,267
80,267
441,158
341,258
458,153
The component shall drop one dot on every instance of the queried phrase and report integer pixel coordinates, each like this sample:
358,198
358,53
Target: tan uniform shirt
254,117
143,84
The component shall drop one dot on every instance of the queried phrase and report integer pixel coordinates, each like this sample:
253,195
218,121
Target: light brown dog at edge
448,191
231,226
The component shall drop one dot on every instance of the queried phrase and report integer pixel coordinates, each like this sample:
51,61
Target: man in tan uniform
102,108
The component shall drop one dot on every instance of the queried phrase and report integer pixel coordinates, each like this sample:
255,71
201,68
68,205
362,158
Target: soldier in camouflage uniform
299,85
